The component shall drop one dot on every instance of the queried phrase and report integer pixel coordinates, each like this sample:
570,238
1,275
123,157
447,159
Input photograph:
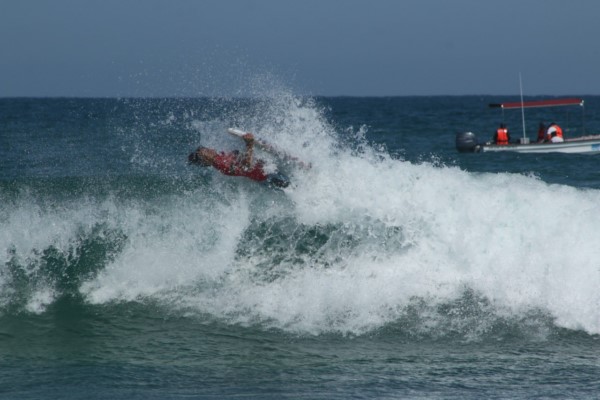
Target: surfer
236,164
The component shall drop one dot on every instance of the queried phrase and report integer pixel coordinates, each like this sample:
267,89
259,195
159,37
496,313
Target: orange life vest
502,136
557,129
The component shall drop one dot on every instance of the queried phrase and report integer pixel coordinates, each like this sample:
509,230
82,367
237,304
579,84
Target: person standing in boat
541,132
554,133
502,137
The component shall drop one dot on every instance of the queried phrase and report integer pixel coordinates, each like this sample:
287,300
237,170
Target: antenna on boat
583,116
522,108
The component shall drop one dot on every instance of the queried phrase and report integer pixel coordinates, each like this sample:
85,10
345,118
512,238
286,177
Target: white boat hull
572,146
466,142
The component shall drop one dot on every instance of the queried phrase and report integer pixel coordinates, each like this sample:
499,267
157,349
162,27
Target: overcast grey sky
314,47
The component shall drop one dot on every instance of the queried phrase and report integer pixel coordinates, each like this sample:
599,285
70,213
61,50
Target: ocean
395,267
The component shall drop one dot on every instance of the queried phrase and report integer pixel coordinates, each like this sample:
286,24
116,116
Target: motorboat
466,142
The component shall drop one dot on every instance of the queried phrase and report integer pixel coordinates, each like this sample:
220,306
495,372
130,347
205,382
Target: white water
518,242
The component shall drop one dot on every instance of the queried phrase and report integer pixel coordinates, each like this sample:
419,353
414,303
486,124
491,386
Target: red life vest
229,164
502,136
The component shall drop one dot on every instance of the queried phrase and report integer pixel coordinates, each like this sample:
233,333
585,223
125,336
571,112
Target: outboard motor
466,142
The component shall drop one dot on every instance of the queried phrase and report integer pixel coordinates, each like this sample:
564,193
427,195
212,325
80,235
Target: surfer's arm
249,139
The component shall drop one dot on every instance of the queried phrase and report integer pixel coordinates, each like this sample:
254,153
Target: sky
173,48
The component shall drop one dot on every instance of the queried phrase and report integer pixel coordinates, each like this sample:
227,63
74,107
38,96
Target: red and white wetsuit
230,164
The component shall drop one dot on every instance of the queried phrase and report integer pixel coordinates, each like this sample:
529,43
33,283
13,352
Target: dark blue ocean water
394,268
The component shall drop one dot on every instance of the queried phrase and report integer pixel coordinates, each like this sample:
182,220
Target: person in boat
236,164
502,136
556,139
541,136
554,134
